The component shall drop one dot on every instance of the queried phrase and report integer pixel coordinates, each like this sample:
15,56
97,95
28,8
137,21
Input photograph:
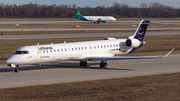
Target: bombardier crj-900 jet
95,19
100,50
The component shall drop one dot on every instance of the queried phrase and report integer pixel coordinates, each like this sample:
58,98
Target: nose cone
9,60
114,19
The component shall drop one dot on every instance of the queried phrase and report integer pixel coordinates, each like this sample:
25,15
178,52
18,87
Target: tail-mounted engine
129,44
133,43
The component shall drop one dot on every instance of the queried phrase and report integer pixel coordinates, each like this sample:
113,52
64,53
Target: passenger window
82,48
54,50
44,51
72,49
85,48
61,50
47,51
104,46
110,45
58,50
101,46
94,47
97,46
107,46
51,51
79,48
116,45
90,47
76,48
65,49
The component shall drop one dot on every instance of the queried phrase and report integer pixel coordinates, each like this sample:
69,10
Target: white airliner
101,50
95,19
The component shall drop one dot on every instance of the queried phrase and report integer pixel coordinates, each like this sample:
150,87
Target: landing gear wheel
83,63
103,64
17,69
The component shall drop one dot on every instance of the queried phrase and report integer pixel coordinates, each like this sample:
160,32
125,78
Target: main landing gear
17,69
103,64
83,63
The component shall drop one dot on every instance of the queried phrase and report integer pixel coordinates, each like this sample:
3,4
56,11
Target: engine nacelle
103,21
133,43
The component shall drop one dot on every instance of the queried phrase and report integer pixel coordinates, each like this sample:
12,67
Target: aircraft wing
127,58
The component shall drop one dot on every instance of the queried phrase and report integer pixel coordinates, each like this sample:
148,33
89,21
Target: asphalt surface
71,71
4,37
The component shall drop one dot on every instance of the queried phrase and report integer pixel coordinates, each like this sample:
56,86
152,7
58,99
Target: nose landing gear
17,69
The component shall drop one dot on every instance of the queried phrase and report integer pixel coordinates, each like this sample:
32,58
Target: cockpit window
25,52
18,52
21,52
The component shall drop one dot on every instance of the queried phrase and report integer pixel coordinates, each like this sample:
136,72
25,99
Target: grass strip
162,87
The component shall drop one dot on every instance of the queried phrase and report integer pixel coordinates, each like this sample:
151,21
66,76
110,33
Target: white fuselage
95,18
77,51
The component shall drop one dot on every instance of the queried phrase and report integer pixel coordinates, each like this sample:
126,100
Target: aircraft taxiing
100,50
95,19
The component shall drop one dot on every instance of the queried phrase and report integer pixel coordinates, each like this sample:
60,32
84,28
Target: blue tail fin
141,30
79,16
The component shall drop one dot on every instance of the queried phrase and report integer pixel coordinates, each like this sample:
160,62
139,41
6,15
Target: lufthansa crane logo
141,33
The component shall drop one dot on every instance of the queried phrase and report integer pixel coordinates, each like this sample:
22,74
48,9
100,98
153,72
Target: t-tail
79,15
141,30
136,41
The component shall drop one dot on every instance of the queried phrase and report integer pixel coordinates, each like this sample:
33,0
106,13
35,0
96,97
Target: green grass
164,87
155,45
56,32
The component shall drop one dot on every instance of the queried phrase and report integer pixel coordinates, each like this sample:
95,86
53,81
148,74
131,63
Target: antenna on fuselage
64,42
38,44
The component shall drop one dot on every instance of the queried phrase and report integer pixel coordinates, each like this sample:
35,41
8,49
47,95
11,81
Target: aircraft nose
9,61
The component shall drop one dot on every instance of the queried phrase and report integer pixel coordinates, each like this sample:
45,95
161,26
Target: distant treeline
117,10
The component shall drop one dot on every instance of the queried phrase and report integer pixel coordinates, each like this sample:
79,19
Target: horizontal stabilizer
146,22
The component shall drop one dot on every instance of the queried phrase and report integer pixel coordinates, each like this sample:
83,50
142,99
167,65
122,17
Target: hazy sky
92,3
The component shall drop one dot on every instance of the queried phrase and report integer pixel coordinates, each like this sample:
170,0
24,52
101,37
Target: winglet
167,53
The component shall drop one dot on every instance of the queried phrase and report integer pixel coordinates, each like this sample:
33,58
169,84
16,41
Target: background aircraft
95,19
100,50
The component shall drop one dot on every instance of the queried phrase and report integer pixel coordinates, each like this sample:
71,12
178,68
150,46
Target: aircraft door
95,49
35,54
